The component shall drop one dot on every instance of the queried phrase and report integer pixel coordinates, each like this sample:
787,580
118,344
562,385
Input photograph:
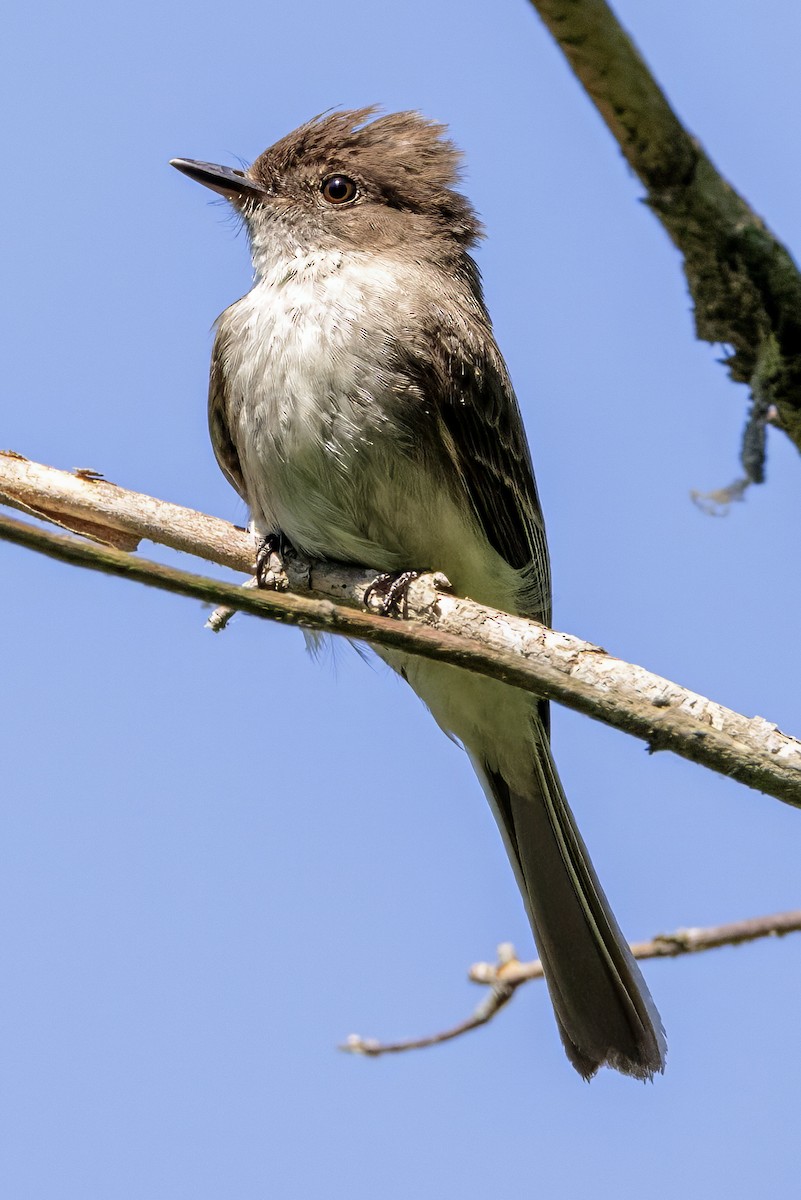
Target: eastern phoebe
360,406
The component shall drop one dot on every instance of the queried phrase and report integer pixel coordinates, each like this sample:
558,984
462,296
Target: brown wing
224,449
464,387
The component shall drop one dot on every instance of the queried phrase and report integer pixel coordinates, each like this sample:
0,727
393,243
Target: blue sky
219,857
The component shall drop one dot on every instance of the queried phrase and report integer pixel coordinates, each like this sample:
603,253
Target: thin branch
508,974
663,945
75,497
745,286
498,997
512,649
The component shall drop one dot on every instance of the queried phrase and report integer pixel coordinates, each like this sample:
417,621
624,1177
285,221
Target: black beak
232,184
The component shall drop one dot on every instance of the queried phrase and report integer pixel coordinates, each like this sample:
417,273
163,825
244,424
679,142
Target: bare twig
441,626
663,945
67,496
498,996
508,974
745,286
224,613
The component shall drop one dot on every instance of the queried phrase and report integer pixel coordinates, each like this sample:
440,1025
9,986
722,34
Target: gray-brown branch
745,286
441,626
507,975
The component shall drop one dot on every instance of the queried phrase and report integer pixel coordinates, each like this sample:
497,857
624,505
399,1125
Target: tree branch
512,649
507,975
745,286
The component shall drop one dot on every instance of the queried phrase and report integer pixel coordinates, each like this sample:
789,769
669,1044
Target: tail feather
605,1014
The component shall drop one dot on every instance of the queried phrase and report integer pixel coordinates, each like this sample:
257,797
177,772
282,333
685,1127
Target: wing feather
464,388
222,443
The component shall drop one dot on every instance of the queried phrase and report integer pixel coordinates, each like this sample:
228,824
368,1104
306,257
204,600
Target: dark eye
339,189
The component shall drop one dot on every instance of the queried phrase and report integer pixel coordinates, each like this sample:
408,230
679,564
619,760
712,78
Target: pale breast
302,356
312,411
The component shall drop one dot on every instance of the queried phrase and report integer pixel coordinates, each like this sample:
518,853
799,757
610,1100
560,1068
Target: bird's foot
270,554
390,591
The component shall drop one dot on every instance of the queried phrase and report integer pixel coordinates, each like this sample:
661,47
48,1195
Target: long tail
605,1014
603,1009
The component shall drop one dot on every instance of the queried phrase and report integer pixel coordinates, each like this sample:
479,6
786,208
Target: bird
360,406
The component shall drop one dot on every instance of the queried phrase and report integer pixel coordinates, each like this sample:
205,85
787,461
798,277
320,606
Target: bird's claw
391,592
270,573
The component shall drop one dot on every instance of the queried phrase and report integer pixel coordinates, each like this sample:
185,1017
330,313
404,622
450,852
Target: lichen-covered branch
507,975
555,665
745,286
